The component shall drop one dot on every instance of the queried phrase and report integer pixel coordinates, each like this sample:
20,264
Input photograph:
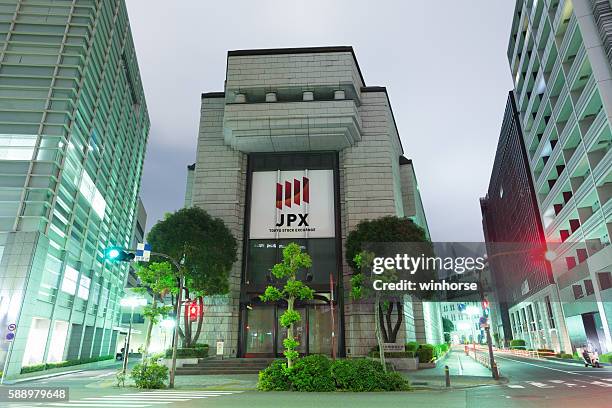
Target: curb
40,377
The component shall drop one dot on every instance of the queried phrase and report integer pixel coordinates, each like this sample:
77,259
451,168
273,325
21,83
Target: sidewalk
54,372
464,372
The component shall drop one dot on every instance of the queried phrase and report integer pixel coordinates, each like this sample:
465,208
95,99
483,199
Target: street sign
461,307
10,336
143,252
219,348
12,327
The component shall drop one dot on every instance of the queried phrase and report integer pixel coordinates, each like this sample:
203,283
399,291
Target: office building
559,54
528,298
298,149
73,130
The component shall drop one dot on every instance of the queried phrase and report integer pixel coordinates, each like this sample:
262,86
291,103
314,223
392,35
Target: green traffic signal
118,255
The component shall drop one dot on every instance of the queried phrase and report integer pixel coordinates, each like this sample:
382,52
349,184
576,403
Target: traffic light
193,311
485,307
117,254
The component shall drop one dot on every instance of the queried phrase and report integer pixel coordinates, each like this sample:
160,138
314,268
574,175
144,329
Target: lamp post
116,254
167,324
131,302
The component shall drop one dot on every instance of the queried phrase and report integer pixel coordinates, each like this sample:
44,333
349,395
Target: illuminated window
17,147
93,196
69,283
84,287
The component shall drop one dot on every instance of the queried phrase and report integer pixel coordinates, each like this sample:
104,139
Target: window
577,291
84,288
69,283
588,286
549,311
605,280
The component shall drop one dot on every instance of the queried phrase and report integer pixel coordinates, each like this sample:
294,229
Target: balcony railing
585,96
575,69
598,125
567,37
603,167
555,190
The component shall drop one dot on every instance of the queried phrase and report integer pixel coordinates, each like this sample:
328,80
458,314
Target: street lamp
167,324
472,311
131,302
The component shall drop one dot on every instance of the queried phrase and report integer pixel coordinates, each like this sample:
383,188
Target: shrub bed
564,355
319,374
517,344
68,363
150,376
426,353
412,346
606,358
197,351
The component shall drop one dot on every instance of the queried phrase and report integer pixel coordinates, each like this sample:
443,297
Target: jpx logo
290,194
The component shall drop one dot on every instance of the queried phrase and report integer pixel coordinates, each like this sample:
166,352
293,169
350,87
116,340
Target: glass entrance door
263,335
259,330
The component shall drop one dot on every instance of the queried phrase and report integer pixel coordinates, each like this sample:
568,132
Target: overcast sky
444,65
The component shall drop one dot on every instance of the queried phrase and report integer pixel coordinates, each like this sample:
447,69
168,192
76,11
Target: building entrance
263,335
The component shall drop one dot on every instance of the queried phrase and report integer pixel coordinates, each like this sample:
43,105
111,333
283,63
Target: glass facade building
73,131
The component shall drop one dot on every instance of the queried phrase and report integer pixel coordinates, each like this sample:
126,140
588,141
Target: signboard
292,204
143,252
219,348
393,347
10,336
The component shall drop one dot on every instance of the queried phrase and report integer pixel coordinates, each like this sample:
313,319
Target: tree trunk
377,330
389,327
381,322
200,320
290,329
398,323
147,341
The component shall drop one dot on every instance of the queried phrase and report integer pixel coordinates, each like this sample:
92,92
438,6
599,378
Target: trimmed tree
293,260
391,230
206,249
158,279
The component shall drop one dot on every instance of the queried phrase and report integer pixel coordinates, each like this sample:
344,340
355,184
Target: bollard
447,375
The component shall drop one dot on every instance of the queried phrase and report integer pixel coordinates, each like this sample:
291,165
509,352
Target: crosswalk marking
138,399
601,384
515,386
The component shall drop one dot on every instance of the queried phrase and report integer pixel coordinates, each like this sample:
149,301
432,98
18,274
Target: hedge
197,351
317,373
426,353
517,344
68,363
606,358
412,346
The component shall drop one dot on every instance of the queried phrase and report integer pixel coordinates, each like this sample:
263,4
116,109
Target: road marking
541,366
515,386
103,375
96,404
557,381
601,384
113,399
539,384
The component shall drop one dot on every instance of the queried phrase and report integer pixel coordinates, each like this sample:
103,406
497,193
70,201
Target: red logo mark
293,193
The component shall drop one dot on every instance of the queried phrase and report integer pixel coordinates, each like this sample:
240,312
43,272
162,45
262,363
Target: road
532,383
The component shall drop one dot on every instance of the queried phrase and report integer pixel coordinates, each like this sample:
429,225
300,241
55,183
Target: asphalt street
531,383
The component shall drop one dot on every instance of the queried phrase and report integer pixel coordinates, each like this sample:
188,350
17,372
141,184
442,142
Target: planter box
410,364
179,361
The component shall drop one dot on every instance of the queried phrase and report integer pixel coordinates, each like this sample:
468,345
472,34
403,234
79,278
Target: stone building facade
301,124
